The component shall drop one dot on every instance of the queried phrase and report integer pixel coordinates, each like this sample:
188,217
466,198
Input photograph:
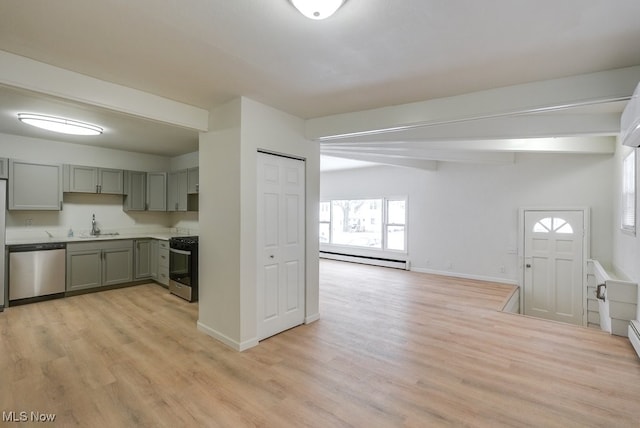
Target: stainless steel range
183,267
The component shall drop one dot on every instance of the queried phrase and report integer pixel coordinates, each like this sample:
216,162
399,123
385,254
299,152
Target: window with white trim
628,221
553,224
370,223
325,222
395,225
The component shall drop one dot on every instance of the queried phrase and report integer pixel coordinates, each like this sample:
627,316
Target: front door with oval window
553,265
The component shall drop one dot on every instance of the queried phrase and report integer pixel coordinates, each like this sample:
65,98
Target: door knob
272,256
528,265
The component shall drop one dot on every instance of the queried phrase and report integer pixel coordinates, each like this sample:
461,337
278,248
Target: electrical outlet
449,265
503,269
28,222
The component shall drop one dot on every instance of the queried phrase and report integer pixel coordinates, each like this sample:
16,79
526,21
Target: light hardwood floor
392,348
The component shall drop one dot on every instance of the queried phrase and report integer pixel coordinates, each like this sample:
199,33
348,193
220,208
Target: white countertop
161,235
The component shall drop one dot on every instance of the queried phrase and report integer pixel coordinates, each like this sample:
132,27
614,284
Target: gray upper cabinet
88,179
110,181
193,180
4,168
135,191
153,264
156,191
177,191
34,186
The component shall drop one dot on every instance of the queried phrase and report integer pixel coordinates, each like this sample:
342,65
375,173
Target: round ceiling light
60,124
317,9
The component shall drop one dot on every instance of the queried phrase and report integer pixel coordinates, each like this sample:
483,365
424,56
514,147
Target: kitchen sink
102,235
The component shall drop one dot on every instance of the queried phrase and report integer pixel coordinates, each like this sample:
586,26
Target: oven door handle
186,253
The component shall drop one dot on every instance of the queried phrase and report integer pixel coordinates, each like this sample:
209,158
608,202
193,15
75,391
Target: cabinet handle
60,205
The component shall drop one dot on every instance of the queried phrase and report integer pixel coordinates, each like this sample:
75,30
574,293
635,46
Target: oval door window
553,224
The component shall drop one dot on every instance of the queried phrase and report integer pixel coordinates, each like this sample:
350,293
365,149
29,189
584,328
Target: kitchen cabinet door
84,269
163,263
154,259
142,254
193,180
110,181
90,179
156,191
135,191
177,191
117,265
34,186
82,179
4,168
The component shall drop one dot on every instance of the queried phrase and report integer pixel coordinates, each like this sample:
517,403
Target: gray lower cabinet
135,191
84,268
99,263
142,254
163,263
34,186
117,264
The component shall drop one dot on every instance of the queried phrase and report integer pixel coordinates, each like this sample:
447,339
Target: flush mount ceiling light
60,124
317,9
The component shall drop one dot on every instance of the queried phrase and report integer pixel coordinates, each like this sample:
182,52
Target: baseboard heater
367,260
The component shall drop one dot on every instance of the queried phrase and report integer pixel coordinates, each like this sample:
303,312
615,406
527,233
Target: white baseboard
312,318
237,346
465,276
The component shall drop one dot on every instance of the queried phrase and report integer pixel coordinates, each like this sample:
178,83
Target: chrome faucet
94,227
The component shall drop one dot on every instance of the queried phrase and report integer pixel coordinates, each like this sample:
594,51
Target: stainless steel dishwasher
36,270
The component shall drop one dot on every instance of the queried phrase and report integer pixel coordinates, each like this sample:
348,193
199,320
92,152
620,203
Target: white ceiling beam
432,155
386,160
576,145
535,97
525,126
25,73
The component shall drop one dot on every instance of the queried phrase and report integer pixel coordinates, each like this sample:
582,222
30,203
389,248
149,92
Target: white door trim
586,250
280,251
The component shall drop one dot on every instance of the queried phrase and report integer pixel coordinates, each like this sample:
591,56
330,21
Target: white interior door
553,265
281,244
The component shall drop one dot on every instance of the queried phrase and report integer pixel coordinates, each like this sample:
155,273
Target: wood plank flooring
392,348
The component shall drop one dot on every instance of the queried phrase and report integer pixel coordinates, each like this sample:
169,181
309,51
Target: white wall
78,208
188,160
626,246
466,215
228,203
36,149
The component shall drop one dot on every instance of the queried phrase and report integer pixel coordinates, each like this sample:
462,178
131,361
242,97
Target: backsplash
110,217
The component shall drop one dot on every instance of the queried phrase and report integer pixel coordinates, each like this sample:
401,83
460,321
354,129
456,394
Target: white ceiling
370,54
